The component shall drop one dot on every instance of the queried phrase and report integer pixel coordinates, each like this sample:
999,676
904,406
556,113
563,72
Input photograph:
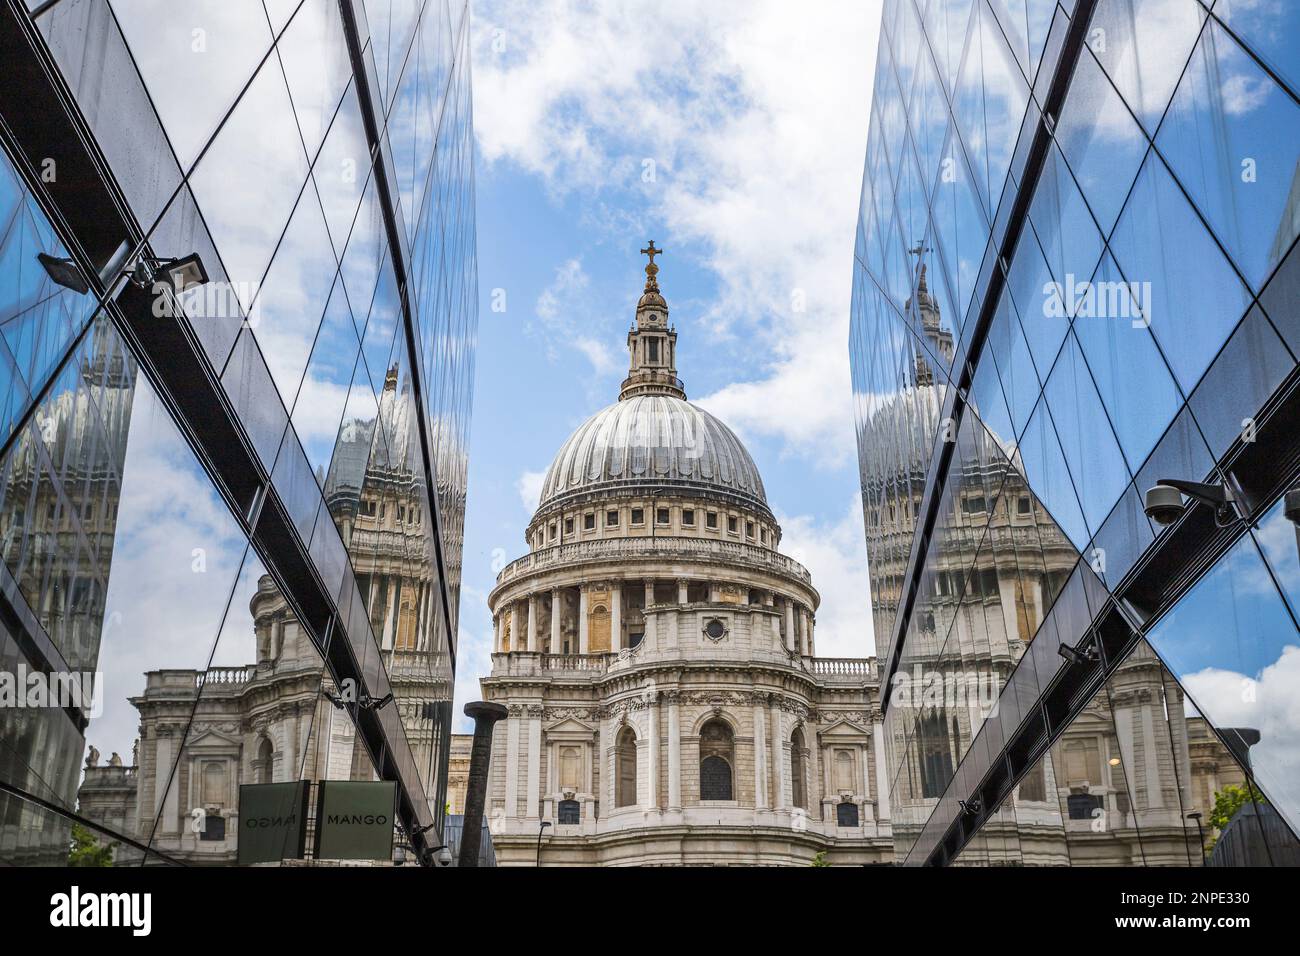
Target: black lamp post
540,830
1200,832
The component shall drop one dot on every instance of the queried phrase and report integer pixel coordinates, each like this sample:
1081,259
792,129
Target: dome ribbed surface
653,439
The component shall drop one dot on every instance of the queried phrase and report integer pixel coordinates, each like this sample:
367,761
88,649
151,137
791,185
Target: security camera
1164,504
1292,506
1164,501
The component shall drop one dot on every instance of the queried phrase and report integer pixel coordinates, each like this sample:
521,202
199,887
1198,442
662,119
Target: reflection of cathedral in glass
1070,681
259,577
268,722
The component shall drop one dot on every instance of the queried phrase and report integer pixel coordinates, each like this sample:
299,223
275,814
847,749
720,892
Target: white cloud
529,486
473,657
755,119
836,555
563,309
1269,704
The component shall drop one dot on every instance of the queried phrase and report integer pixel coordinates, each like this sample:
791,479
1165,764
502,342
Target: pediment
570,726
212,740
843,729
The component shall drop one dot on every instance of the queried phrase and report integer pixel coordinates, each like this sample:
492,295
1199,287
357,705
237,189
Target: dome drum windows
717,760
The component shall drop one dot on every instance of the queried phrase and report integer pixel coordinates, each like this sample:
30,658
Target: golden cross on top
652,252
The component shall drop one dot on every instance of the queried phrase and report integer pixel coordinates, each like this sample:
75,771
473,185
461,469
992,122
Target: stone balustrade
855,667
621,549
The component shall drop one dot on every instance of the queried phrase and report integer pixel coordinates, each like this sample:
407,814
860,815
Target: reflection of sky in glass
1233,138
177,554
1232,643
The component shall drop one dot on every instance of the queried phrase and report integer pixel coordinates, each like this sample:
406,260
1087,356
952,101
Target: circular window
715,630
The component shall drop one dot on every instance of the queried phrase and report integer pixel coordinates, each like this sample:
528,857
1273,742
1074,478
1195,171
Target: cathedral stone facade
656,653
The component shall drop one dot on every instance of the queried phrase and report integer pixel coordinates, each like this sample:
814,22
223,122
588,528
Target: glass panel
1143,46
1232,643
246,194
1188,290
208,45
1232,136
1100,140
1086,437
1130,373
288,308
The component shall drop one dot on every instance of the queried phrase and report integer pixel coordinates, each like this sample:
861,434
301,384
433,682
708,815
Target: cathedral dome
658,441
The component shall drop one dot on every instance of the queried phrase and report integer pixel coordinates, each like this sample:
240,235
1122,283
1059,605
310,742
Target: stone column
532,794
496,633
868,814
616,617
814,784
649,637
485,715
760,757
803,632
790,644
532,623
512,767
582,619
514,625
882,772
683,591
674,753
652,748
557,614
778,755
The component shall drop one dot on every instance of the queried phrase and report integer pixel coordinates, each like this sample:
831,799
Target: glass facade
1076,277
233,507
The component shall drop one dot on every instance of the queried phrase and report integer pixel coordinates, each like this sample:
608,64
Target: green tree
820,859
86,850
1229,800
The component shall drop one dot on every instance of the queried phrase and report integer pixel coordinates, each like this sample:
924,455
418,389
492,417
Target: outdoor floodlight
1086,652
63,272
181,274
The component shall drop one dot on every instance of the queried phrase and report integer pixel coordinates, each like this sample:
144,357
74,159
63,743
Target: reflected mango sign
354,820
272,822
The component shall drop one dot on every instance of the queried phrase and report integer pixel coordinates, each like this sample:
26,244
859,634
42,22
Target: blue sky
732,134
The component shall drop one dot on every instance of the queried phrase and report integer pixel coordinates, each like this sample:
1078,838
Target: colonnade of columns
517,625
775,763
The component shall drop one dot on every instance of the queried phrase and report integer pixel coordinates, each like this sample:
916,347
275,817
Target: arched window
625,760
716,759
796,769
265,760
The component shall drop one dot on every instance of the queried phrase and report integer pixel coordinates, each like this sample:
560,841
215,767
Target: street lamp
1200,832
540,830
